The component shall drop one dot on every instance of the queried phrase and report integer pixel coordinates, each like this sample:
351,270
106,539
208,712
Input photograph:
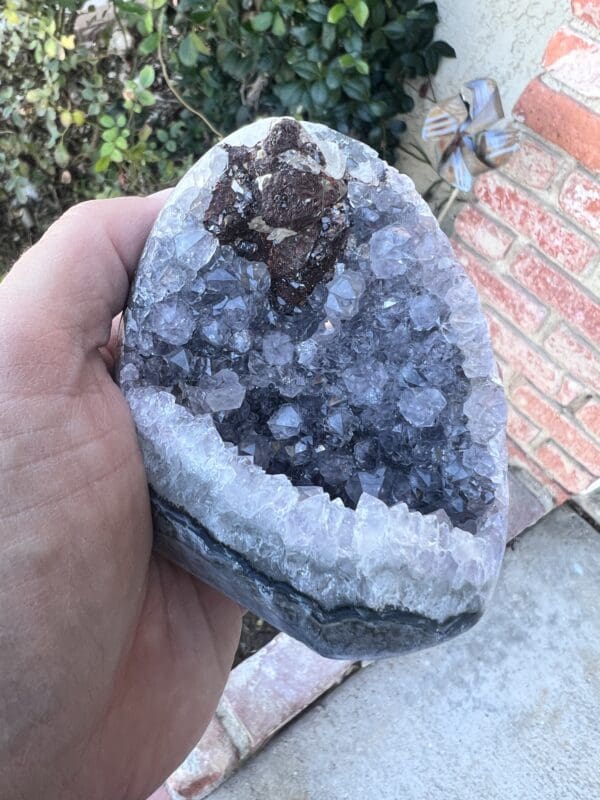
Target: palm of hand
111,659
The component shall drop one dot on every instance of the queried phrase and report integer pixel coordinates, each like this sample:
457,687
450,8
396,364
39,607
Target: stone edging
262,695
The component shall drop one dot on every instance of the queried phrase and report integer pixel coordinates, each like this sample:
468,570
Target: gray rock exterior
316,396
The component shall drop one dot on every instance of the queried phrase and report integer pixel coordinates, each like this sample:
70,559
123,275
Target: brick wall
531,242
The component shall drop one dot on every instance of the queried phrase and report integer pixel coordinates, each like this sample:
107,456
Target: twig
170,84
448,205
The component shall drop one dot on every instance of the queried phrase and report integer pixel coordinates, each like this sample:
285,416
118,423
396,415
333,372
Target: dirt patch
255,634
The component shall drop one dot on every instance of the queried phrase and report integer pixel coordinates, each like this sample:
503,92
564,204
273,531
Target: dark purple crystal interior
316,347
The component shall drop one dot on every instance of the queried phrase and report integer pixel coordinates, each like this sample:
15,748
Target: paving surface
509,710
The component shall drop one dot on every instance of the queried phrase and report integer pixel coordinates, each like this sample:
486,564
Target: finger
110,351
76,278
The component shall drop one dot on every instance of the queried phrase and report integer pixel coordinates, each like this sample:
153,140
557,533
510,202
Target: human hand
112,660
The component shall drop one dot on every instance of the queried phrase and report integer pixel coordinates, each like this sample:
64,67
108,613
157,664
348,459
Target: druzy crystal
315,395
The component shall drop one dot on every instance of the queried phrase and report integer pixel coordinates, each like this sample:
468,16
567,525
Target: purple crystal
315,393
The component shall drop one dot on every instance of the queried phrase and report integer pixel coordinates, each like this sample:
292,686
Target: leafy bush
122,99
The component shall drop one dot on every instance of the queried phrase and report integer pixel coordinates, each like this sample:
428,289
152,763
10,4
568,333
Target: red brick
532,165
579,70
504,296
545,228
587,10
209,763
550,286
519,458
523,358
569,390
559,427
580,199
562,121
565,470
577,356
278,682
589,416
482,233
564,42
519,428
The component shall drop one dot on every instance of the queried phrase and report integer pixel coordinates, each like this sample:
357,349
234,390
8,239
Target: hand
112,660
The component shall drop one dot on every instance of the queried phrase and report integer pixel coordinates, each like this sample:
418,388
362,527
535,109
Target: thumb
76,278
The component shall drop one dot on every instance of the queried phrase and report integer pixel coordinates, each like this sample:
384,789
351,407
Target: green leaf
121,143
145,133
187,51
110,135
317,12
360,12
200,44
319,93
328,36
121,120
106,121
262,22
146,76
395,29
102,164
334,77
347,61
290,94
148,44
146,98
378,15
357,87
107,148
34,95
278,28
303,34
361,66
336,13
444,49
130,8
147,23
307,70
432,60
61,155
51,48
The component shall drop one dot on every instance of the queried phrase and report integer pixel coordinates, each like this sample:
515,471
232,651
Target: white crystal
173,321
277,348
285,422
421,406
387,250
219,392
344,294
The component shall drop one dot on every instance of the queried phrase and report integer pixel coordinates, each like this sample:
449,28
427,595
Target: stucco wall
500,39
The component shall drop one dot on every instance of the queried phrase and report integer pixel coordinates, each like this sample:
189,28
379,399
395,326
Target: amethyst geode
316,397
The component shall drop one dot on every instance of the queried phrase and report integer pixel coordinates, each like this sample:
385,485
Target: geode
316,397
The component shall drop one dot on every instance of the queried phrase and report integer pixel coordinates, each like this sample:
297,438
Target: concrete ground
509,710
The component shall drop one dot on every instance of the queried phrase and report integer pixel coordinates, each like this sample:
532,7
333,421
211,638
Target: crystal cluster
315,394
